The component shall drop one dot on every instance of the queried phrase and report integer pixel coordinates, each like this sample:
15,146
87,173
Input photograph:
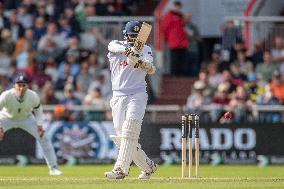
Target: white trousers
125,108
131,106
29,125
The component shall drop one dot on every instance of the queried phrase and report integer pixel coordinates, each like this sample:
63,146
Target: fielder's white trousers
29,125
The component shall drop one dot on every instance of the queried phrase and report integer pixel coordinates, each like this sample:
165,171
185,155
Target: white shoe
115,174
55,171
146,175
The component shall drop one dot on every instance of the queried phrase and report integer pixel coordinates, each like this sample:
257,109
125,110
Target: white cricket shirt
127,80
16,109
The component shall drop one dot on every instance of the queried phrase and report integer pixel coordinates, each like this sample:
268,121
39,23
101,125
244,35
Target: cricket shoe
146,175
115,174
54,171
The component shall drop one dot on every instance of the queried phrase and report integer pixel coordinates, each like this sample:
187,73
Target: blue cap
251,77
21,78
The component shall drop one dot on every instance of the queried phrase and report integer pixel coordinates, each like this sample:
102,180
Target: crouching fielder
20,108
129,102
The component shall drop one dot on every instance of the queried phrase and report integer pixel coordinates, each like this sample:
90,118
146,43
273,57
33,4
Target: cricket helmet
131,28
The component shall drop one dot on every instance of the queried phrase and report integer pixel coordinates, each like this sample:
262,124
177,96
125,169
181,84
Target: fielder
129,101
20,108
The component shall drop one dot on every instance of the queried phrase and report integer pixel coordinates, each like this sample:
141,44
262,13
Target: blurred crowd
237,78
233,79
53,43
50,41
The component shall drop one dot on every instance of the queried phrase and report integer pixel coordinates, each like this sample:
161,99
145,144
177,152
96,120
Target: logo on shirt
123,63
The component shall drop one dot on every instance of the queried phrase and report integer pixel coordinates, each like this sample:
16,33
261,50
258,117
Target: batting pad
139,156
130,133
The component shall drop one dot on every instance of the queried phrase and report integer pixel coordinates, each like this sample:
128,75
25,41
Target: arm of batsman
139,60
116,46
135,57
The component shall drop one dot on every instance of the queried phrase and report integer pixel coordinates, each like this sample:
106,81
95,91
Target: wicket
190,122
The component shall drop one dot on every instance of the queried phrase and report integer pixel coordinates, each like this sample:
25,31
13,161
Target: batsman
130,61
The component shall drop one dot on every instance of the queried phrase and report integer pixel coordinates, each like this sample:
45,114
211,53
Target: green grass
91,177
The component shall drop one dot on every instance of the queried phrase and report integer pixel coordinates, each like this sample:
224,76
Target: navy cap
21,78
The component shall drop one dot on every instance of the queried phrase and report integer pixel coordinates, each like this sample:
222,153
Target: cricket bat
142,36
140,41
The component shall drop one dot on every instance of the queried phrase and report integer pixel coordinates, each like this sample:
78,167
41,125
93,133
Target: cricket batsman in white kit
129,101
20,108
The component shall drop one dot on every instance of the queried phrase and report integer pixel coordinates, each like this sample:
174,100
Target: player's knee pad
117,140
131,129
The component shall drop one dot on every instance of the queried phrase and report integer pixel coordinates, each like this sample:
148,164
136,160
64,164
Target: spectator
227,79
7,45
230,36
53,34
25,58
216,58
82,12
39,27
94,98
50,8
39,77
48,94
41,10
208,90
72,60
17,30
194,55
30,6
111,10
24,18
266,68
242,62
220,99
277,86
73,47
65,28
5,63
197,100
257,55
3,20
84,78
176,37
254,88
49,53
63,78
268,99
27,38
238,78
240,104
277,52
94,66
70,100
214,77
103,84
73,22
